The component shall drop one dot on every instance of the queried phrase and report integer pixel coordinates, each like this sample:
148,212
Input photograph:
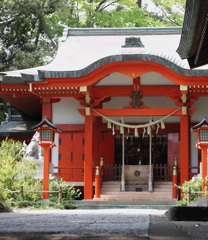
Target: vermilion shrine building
105,75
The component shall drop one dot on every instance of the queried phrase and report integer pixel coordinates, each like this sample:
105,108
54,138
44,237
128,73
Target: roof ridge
124,31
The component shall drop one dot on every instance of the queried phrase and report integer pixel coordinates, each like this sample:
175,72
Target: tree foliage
29,30
170,12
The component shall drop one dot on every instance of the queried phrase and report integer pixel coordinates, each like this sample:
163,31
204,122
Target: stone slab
188,214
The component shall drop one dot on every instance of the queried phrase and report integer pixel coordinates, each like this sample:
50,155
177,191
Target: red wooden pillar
184,148
204,165
88,150
47,108
47,151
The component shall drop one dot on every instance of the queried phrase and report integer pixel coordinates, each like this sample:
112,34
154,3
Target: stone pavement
108,224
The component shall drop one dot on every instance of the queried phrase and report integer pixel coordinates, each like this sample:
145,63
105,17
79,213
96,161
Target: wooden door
173,149
108,154
71,156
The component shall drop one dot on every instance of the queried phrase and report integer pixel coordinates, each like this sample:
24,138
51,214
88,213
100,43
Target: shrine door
71,157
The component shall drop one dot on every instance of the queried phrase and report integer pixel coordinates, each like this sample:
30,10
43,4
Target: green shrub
69,192
43,205
16,172
196,186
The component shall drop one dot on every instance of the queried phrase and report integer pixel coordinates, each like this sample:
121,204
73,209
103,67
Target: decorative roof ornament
132,42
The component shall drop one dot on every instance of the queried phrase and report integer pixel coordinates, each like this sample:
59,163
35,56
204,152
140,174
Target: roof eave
189,28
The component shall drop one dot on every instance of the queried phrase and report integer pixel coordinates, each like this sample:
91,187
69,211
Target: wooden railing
189,192
162,172
21,192
112,172
99,174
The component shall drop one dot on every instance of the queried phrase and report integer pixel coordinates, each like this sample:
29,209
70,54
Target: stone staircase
110,191
93,204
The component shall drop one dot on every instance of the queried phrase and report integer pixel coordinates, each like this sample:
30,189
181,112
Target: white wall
116,79
153,78
202,110
54,152
150,78
65,112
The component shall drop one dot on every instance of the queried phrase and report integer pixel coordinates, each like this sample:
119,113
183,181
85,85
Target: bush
4,202
69,192
16,172
43,205
196,186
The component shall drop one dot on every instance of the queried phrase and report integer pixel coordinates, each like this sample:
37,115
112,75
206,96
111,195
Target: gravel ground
108,224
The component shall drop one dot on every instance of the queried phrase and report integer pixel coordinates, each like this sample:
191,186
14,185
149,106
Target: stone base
40,164
188,214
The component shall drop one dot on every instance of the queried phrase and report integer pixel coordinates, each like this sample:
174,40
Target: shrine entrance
136,154
137,149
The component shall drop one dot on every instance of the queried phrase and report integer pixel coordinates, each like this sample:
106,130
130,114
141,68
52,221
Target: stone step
162,183
138,193
141,198
99,204
133,187
111,190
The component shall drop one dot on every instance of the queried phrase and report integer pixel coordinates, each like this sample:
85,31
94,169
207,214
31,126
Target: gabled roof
17,129
47,121
84,50
204,121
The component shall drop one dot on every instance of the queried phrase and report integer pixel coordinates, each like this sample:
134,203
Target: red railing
99,174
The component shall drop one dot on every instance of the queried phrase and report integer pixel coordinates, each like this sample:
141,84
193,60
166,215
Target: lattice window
46,134
204,134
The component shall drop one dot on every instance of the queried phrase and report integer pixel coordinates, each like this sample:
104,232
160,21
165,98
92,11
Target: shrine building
124,99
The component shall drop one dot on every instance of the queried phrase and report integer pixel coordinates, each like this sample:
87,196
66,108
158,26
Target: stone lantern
202,143
46,130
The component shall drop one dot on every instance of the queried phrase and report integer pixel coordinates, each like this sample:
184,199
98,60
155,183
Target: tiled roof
86,49
17,128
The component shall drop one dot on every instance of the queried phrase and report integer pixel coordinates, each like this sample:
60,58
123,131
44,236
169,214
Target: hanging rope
136,126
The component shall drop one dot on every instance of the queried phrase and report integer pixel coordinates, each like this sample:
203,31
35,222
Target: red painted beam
132,69
127,90
137,112
71,127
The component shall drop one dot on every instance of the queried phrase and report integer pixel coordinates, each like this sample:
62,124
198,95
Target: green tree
29,32
170,12
108,13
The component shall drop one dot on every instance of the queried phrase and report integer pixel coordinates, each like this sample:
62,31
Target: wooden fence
161,172
112,172
189,192
21,192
